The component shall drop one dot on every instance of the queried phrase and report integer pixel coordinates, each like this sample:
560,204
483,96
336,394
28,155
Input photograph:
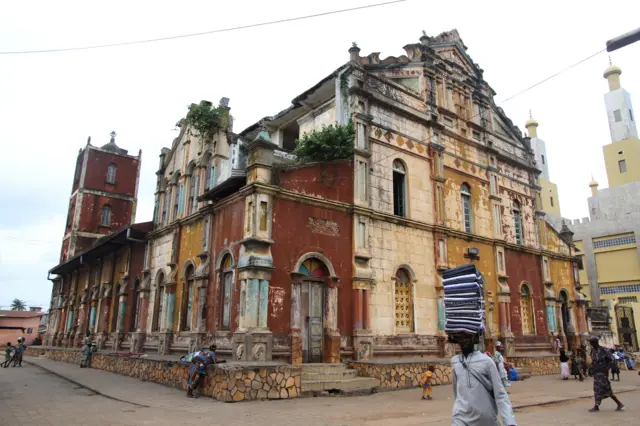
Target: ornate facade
321,262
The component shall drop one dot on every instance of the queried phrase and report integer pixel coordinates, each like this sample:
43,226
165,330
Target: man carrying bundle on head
479,394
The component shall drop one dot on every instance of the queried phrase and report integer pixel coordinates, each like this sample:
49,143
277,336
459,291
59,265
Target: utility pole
623,40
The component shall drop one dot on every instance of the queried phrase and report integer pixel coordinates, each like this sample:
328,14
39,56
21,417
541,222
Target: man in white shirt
477,388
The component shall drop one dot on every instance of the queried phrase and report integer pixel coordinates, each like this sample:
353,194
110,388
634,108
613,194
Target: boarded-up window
263,215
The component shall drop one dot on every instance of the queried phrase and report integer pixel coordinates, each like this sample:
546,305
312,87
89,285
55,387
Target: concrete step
323,368
329,376
359,383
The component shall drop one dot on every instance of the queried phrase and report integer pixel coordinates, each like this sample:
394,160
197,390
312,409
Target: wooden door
316,303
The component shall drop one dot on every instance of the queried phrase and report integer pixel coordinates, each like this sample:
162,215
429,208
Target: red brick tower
103,197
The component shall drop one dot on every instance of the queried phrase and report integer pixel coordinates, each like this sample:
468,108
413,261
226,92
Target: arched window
159,302
404,302
134,306
526,308
111,174
465,195
188,291
165,202
194,181
226,290
399,189
178,197
517,219
105,216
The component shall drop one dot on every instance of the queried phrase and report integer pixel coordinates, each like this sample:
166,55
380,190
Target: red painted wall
96,173
294,238
333,181
521,267
226,232
91,213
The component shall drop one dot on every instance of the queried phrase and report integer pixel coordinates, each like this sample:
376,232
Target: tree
333,142
18,305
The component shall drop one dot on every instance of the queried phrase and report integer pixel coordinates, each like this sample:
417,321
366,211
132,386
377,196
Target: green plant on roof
206,119
333,142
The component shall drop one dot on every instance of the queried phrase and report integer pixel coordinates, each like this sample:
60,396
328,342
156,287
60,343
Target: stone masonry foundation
224,382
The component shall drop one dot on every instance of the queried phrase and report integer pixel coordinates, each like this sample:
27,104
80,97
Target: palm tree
18,305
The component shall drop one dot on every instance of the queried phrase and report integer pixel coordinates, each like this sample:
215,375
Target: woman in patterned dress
601,361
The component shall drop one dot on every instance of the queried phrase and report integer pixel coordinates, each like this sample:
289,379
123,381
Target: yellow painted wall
550,197
190,247
630,149
554,242
482,221
457,248
617,265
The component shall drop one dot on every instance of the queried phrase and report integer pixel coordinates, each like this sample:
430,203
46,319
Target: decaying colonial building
274,258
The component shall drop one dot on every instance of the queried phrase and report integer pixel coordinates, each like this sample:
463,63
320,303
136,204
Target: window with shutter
399,188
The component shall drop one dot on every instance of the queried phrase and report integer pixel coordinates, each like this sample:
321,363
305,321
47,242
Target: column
331,331
170,303
251,302
122,310
358,309
366,314
263,304
92,317
295,334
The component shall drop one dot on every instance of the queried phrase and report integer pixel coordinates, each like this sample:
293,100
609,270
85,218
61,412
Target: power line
221,30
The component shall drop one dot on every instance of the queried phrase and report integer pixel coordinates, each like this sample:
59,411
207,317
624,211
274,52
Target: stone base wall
538,365
224,382
403,374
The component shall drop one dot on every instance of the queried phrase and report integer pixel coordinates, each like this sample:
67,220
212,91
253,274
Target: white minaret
622,124
539,147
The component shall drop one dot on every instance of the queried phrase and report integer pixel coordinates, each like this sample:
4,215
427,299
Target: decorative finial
88,140
113,137
354,44
424,33
530,116
610,60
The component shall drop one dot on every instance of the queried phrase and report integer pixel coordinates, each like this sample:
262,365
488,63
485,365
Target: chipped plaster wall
190,245
160,256
315,120
391,246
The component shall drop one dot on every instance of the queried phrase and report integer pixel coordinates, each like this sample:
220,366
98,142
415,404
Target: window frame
465,199
226,297
112,170
517,218
617,115
399,200
105,219
622,164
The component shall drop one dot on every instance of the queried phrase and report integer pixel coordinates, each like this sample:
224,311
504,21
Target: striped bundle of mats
463,300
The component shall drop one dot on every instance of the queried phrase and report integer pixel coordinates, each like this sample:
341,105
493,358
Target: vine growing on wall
333,142
206,119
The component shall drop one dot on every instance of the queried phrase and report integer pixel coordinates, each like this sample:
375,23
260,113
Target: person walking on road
564,365
601,361
499,360
479,395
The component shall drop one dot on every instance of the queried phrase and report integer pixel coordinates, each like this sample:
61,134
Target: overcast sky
51,102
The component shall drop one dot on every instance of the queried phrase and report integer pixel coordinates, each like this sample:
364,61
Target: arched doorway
404,302
310,307
526,308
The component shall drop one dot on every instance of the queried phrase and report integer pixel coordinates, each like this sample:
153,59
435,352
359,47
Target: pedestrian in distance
479,395
557,346
564,365
19,351
601,364
576,371
87,351
498,358
427,382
